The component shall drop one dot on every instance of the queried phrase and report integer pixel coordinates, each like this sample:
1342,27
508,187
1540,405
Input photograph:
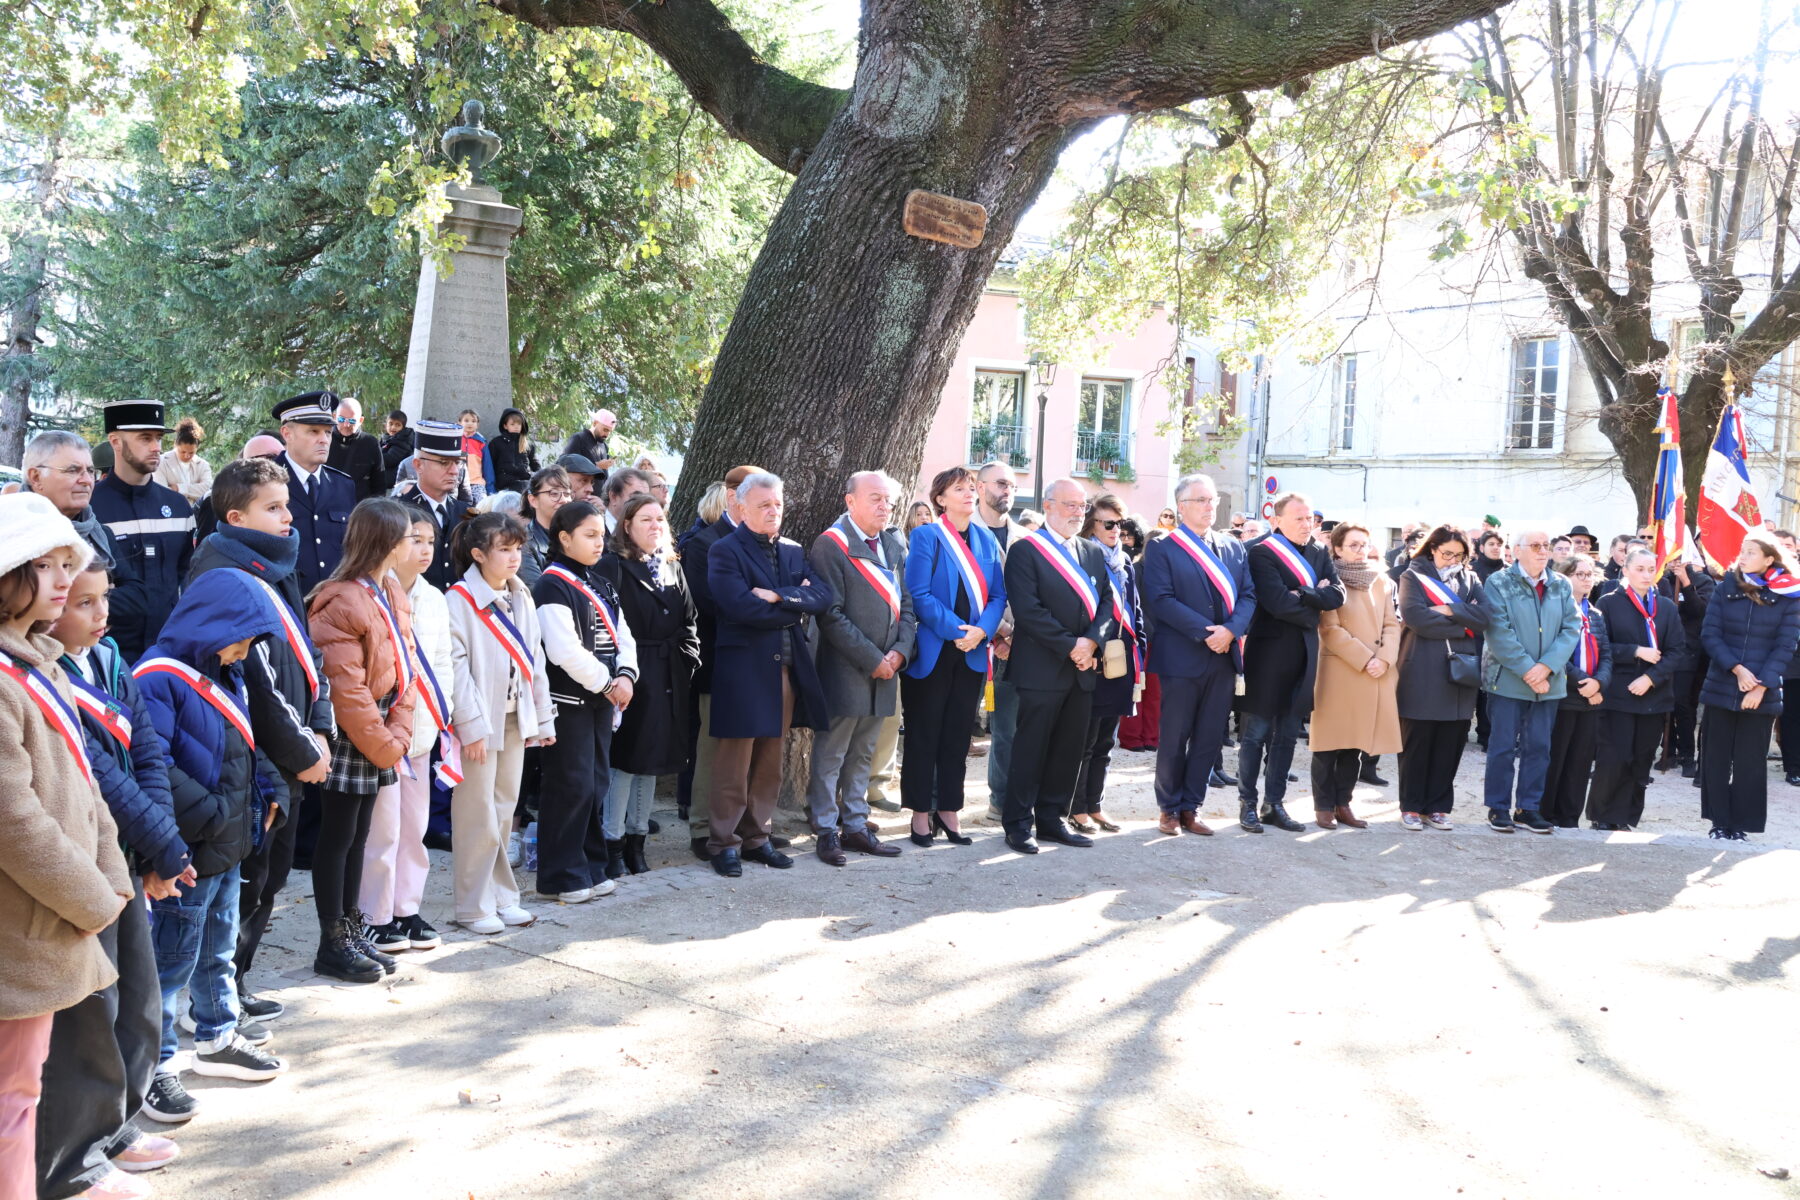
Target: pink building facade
1102,419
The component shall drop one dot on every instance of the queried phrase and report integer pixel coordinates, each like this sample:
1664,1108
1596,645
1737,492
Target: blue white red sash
1122,614
504,632
964,556
1068,566
403,658
107,712
297,639
228,705
1293,560
431,693
1438,593
56,710
879,577
1210,565
575,581
1587,649
1776,580
1648,614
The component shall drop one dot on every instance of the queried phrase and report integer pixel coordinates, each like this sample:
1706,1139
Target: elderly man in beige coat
1354,706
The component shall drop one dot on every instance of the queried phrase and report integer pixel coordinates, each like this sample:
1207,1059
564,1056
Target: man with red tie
1061,599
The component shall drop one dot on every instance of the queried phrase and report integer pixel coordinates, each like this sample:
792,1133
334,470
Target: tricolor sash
569,577
1438,593
1587,649
1122,614
431,693
963,554
297,639
107,712
56,710
403,658
228,705
1293,560
1210,565
1068,566
1777,581
1649,614
503,631
879,577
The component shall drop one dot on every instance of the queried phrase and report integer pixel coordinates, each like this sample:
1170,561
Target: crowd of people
442,640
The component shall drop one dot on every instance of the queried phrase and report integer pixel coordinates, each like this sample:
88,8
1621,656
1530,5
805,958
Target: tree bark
30,254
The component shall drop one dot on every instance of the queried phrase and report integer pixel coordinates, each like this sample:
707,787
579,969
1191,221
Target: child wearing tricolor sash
362,623
395,865
62,878
225,795
502,705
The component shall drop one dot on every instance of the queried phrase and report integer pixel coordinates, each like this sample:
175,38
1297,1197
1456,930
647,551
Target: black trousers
1195,710
1430,752
684,782
338,856
1680,743
1572,742
940,717
103,1053
1483,726
1334,775
577,775
1734,769
1789,724
265,873
1622,759
1090,776
1047,750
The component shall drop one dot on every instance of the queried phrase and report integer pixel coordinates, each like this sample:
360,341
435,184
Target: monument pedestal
460,355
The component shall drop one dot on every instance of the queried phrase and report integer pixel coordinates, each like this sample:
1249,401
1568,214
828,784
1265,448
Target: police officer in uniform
319,497
438,460
152,527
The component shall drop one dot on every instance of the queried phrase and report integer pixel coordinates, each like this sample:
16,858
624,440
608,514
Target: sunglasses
1107,524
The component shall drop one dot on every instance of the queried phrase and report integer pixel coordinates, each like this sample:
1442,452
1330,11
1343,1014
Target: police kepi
319,497
152,527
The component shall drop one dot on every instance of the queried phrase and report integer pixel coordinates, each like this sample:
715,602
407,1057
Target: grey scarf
1355,576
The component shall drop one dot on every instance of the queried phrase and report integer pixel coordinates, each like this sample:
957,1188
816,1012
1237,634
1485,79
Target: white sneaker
483,925
515,849
1438,820
512,914
605,887
578,896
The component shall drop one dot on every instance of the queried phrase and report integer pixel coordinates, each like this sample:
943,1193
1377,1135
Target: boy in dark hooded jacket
511,452
226,798
290,698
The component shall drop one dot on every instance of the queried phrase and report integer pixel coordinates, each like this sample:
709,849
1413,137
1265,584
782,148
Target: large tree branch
776,114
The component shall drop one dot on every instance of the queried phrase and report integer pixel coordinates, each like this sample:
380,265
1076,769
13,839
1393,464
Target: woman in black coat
1442,613
1647,644
652,738
1750,632
1577,727
1113,698
514,456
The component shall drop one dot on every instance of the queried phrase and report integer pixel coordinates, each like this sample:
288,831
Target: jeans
1275,737
1001,726
627,807
1518,732
195,935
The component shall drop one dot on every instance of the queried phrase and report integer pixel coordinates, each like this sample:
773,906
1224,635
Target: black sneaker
1499,821
254,1033
1530,819
169,1102
259,1008
420,935
237,1059
394,936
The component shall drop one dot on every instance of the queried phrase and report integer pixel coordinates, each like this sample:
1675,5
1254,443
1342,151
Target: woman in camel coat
1354,709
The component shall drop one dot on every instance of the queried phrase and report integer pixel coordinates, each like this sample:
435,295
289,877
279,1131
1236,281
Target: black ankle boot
1276,815
635,862
359,930
615,859
339,958
1247,816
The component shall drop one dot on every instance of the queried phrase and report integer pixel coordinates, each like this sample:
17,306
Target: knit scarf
264,555
1354,575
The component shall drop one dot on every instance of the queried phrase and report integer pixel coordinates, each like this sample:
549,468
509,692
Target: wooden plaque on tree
946,219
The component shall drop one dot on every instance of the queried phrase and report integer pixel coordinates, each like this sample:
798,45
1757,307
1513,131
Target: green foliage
287,255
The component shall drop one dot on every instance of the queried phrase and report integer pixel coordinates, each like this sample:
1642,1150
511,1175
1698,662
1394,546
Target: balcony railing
1004,442
1101,453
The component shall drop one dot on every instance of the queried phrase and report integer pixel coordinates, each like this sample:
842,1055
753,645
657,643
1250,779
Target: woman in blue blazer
953,570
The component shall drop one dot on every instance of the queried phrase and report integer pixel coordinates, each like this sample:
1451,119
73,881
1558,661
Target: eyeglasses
1450,555
1535,545
555,493
1199,500
74,472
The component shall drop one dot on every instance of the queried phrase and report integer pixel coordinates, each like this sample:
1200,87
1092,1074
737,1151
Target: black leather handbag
1465,669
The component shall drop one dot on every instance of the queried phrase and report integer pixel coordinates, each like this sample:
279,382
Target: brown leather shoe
1191,822
1166,825
829,850
1346,817
864,842
1325,819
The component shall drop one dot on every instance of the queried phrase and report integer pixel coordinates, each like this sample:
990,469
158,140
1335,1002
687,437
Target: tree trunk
848,326
30,253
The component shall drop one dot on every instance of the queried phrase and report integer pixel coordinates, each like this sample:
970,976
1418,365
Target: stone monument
460,355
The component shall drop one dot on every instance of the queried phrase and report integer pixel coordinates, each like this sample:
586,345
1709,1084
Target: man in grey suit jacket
866,636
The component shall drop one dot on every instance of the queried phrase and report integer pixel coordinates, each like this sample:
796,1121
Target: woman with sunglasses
1165,520
1113,697
1443,609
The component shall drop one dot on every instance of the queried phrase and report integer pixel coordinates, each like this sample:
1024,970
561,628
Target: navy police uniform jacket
319,522
152,531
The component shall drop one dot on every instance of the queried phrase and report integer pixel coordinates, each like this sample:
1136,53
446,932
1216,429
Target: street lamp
1045,370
